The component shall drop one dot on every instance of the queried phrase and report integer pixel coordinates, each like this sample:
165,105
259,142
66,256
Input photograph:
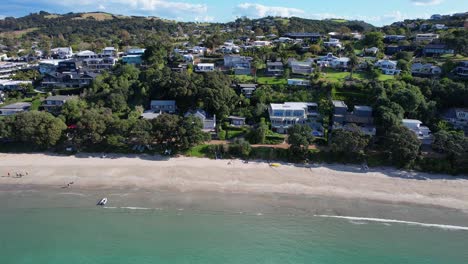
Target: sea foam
380,220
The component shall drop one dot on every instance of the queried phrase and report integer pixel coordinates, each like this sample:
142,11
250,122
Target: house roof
274,63
339,104
247,85
163,102
292,106
236,117
363,108
60,98
20,105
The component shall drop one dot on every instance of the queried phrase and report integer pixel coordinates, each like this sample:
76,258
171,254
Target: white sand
191,174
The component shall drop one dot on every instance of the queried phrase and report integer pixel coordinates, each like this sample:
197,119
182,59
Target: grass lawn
341,76
234,133
384,77
199,151
272,80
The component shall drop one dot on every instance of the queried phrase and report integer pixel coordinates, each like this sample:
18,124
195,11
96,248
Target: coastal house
109,52
14,108
236,121
458,118
247,89
429,37
48,66
298,82
333,42
163,106
53,104
361,116
439,27
85,54
149,115
68,66
425,69
274,68
204,67
371,51
332,61
283,116
393,38
388,67
301,67
133,56
436,49
98,64
67,79
208,122
62,53
240,64
422,132
9,68
462,69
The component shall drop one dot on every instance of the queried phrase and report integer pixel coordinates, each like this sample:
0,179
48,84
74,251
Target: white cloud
204,19
101,7
258,10
426,2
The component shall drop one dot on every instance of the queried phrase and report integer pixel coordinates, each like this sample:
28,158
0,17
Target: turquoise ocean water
87,234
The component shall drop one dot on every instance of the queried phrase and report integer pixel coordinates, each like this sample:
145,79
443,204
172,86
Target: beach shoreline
148,174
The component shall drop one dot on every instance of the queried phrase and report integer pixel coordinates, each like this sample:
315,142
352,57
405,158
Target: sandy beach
89,171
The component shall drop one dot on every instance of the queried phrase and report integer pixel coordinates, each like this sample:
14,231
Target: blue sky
376,12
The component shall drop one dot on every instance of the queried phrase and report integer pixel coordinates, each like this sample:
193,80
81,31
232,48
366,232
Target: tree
41,129
403,145
240,147
258,135
72,110
350,142
352,64
452,143
299,138
373,39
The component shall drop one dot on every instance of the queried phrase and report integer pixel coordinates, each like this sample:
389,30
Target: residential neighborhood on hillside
251,81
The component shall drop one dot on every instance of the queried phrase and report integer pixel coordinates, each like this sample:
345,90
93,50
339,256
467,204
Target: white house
11,85
85,54
388,67
333,42
283,116
332,61
439,26
422,132
261,43
372,51
204,67
163,106
240,64
426,37
209,123
109,52
62,53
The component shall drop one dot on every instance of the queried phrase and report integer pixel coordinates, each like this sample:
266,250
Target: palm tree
352,64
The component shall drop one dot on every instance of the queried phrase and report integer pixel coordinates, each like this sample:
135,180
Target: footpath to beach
88,171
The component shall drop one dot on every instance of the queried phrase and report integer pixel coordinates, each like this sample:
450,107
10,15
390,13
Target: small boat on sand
102,202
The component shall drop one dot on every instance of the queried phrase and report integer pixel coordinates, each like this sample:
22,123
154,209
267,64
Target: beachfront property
427,37
298,82
275,68
425,69
361,116
163,106
236,121
205,67
53,104
241,65
208,122
388,67
283,116
247,89
422,132
14,108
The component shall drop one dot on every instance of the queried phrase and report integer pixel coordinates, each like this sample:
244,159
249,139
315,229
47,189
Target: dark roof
436,46
302,34
276,63
60,98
